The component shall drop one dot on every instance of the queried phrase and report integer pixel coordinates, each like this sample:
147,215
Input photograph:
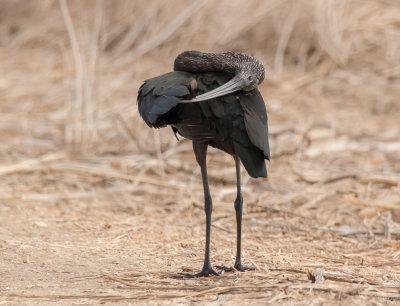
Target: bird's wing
240,124
157,96
256,120
252,105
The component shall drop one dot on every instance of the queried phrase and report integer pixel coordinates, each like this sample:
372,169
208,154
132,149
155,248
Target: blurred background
70,70
74,150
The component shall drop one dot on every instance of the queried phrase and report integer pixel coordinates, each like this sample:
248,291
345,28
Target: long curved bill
235,84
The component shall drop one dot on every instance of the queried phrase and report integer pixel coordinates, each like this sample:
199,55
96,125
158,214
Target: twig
361,202
326,181
109,173
75,137
125,126
76,195
284,39
339,178
221,228
338,277
378,180
30,163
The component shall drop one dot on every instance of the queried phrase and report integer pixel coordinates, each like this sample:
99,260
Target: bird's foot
237,266
206,271
224,268
241,268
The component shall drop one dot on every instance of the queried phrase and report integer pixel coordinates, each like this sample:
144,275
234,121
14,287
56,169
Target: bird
213,100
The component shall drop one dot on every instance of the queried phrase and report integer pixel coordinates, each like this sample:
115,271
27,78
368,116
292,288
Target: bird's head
248,73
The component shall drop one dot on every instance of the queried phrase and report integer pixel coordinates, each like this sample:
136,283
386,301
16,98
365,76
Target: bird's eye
250,78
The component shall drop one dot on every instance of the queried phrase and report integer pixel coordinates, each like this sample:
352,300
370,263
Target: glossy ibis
212,99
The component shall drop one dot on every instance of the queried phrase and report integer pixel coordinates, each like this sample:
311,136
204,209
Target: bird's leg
239,209
200,150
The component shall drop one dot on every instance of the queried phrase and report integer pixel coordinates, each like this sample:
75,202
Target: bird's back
235,123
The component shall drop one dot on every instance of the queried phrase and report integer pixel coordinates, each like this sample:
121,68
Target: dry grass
97,208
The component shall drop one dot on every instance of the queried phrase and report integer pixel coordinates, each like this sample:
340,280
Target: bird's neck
195,61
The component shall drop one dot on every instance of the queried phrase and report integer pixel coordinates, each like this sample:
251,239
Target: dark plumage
212,99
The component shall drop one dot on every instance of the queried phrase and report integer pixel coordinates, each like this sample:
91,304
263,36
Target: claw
224,268
241,268
206,271
238,267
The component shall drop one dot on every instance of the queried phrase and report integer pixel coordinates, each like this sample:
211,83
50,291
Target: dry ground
97,208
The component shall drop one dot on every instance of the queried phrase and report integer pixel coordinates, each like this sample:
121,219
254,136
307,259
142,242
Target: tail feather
252,159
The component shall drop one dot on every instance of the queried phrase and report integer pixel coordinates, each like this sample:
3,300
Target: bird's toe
242,268
205,272
224,268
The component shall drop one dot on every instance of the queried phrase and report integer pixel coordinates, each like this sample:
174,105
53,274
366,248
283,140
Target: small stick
30,163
